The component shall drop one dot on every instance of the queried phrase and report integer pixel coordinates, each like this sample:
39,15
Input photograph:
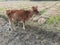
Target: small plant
2,16
58,18
52,20
43,11
2,8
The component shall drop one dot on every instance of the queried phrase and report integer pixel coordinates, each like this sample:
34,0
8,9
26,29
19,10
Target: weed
2,16
43,11
52,20
2,9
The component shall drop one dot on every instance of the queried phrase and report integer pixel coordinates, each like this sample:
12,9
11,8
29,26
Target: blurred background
29,0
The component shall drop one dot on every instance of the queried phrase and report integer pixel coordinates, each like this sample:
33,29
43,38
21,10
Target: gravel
31,36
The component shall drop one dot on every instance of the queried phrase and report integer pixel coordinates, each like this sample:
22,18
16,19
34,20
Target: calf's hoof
24,29
9,29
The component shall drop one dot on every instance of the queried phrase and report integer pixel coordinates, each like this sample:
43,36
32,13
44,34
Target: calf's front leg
23,25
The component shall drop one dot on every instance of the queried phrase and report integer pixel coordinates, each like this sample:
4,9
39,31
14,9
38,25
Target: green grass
50,20
53,20
58,18
43,11
2,0
4,17
2,9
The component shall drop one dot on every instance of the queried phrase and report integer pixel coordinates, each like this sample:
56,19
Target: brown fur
21,15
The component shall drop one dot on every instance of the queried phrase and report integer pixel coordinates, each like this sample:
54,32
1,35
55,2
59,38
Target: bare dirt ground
34,34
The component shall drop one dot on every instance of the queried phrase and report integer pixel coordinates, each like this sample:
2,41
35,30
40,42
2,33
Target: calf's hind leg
11,25
23,25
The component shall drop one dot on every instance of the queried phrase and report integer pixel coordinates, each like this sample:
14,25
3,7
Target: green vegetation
58,18
43,11
3,16
2,0
2,8
52,20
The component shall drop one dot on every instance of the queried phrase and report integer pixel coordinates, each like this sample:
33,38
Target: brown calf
20,15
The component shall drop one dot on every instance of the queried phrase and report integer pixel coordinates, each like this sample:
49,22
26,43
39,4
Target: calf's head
35,9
